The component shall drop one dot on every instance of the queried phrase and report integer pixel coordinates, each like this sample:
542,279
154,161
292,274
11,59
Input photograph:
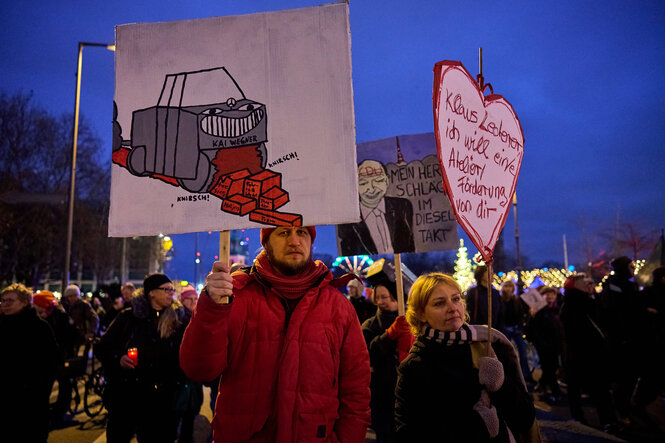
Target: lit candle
133,355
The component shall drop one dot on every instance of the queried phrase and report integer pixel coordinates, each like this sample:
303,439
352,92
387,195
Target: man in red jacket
287,344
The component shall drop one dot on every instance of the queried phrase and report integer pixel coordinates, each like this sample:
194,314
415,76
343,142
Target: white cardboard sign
234,122
480,146
534,299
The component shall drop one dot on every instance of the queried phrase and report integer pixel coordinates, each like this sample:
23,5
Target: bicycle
86,372
94,388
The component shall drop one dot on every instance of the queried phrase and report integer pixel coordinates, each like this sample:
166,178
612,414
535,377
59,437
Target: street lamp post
70,217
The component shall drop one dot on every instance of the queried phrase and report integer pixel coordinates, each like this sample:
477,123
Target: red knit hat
570,283
45,299
265,233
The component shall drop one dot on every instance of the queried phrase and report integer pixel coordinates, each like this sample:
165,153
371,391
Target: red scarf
290,286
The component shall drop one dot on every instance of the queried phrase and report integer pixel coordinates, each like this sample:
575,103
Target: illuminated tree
463,267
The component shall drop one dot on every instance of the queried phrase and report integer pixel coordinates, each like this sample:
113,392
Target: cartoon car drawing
217,148
195,143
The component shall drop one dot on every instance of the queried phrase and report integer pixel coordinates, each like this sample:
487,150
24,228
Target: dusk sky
585,78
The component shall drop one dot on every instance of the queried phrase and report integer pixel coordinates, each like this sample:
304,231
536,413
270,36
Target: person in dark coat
546,333
623,318
651,379
117,305
515,315
586,360
66,336
448,389
364,308
190,409
141,394
381,333
476,301
29,360
84,316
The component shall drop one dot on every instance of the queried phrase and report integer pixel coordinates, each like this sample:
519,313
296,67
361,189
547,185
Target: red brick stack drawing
259,195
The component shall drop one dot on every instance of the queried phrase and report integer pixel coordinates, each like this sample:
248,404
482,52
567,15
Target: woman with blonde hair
449,388
29,360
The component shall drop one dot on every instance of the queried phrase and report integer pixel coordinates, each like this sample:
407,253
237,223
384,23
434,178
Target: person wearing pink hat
187,298
287,344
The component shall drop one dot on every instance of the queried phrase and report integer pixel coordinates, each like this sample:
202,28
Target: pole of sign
400,287
225,252
224,246
489,306
479,78
481,84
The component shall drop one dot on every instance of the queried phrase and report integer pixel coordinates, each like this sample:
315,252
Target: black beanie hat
620,264
154,281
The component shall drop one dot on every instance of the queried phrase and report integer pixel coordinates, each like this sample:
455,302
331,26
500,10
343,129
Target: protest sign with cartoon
223,123
402,200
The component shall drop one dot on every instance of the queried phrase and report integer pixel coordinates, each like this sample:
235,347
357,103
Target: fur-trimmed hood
140,307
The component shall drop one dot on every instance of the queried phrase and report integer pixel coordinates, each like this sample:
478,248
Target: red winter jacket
311,378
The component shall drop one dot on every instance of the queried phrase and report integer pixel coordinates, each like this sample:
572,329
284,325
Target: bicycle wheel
75,402
92,397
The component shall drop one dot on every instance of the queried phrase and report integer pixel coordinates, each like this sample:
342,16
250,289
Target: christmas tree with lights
463,267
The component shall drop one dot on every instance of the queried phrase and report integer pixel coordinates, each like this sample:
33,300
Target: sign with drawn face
480,147
403,205
224,123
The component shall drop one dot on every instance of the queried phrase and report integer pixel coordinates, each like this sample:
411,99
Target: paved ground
557,426
553,418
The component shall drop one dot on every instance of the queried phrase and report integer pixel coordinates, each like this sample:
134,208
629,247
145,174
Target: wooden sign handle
489,307
401,310
224,246
225,252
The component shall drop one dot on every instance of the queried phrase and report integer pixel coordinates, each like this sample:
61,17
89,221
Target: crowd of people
289,357
47,340
605,341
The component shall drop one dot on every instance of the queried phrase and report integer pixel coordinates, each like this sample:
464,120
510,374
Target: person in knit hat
187,298
288,346
139,355
364,308
66,336
84,316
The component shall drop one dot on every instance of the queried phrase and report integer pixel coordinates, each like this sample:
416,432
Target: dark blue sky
585,78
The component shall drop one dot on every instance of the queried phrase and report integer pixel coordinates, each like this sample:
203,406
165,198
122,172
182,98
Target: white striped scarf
465,334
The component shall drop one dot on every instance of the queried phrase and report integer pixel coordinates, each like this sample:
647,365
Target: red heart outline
485,244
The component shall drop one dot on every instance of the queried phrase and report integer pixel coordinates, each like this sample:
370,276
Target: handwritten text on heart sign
480,146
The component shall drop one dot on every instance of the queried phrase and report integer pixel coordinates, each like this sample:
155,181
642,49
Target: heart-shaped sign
480,145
